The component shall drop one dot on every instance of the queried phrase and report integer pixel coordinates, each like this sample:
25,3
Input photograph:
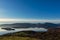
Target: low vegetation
31,35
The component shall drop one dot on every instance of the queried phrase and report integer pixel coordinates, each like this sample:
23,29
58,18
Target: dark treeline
29,25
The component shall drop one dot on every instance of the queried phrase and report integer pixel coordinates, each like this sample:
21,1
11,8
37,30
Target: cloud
11,20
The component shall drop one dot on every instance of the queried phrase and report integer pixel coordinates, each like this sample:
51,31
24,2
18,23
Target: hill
31,25
31,35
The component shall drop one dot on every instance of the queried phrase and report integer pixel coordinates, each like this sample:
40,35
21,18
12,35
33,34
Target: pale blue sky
37,9
30,9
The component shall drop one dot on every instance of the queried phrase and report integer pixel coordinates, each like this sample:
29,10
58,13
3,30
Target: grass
17,38
31,35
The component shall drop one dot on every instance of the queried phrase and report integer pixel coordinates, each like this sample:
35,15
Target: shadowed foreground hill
31,35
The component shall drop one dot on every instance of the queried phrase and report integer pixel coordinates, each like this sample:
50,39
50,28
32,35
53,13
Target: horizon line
20,20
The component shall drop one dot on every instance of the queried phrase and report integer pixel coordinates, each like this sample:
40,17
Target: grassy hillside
31,35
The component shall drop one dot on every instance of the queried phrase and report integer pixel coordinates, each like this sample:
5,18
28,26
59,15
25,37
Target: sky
29,10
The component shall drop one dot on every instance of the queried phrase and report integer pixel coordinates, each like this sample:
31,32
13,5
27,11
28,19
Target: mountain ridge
32,25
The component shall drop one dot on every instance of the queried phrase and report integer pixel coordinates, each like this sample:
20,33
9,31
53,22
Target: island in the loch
37,31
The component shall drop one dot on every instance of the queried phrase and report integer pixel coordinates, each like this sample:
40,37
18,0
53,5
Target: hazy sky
30,9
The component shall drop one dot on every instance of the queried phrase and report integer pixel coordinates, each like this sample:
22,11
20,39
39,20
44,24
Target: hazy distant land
30,31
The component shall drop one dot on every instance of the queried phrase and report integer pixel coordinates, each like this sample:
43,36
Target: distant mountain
50,25
31,25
